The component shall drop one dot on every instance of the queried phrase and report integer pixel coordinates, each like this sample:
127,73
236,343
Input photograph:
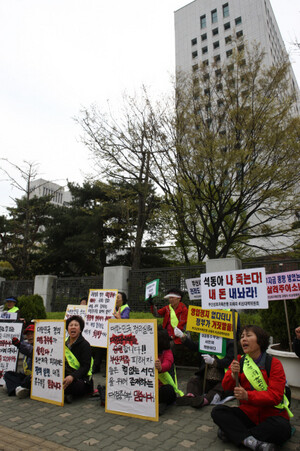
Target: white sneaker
4,387
22,392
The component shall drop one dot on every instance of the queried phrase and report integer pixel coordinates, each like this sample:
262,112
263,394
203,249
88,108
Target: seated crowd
255,379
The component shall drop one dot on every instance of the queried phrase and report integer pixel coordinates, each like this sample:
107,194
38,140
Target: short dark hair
124,296
163,339
261,335
75,318
175,291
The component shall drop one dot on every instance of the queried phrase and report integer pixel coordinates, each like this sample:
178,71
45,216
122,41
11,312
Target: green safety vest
26,370
13,310
255,377
123,307
73,362
166,378
173,318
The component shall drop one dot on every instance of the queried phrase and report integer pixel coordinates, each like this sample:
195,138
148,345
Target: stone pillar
223,264
45,287
116,277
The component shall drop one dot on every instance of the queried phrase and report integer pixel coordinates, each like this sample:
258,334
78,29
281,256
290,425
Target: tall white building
59,196
205,31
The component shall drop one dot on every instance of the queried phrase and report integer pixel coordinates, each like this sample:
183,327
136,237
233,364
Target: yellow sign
213,322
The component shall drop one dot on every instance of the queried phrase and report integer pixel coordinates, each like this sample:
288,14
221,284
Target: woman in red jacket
261,420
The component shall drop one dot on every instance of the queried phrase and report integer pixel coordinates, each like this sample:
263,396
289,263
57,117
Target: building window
215,31
239,34
194,41
205,63
207,91
205,77
228,39
217,58
229,53
195,67
238,20
214,16
216,45
218,73
204,37
226,26
241,48
195,54
203,21
225,10
230,67
204,50
219,87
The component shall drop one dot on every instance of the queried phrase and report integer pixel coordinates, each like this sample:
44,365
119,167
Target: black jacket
83,353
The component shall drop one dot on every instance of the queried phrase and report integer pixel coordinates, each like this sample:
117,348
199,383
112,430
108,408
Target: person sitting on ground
262,419
17,383
78,361
296,342
10,305
166,371
122,308
200,393
174,315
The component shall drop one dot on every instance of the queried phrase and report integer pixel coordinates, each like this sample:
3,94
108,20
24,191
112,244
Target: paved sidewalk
84,425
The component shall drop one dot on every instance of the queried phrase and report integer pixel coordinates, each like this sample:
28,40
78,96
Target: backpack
268,363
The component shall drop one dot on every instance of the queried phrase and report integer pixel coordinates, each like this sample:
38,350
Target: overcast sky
57,56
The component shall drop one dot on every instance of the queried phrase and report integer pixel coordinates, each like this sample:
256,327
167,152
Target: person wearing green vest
11,305
262,419
166,371
78,361
122,308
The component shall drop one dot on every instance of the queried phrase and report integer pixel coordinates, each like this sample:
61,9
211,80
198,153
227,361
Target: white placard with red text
48,363
8,352
241,289
283,285
101,305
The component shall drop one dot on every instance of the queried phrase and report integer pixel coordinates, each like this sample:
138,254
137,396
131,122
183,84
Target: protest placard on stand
213,322
241,289
8,352
131,378
48,365
283,285
101,305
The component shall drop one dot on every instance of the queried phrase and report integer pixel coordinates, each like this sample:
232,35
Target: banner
8,352
48,365
241,289
194,288
283,285
101,305
212,322
131,378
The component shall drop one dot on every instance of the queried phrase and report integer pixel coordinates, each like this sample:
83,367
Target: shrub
31,307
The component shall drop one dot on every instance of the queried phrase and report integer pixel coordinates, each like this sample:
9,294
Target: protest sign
152,289
194,288
8,352
283,285
48,364
131,378
79,310
101,305
211,344
213,322
8,315
241,289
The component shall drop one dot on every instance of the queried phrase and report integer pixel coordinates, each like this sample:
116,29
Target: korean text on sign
213,322
283,285
8,352
242,289
48,362
131,381
101,305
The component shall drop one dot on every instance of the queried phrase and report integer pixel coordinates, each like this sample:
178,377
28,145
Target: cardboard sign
8,352
101,306
212,322
4,315
152,289
48,366
79,310
241,289
211,344
283,285
194,288
131,378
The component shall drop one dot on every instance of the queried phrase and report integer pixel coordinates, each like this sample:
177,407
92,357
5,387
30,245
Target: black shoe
68,399
162,408
193,401
222,436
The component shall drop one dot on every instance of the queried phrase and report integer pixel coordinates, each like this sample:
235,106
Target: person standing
296,342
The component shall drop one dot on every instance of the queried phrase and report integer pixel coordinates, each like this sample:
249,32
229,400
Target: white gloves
178,333
208,359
